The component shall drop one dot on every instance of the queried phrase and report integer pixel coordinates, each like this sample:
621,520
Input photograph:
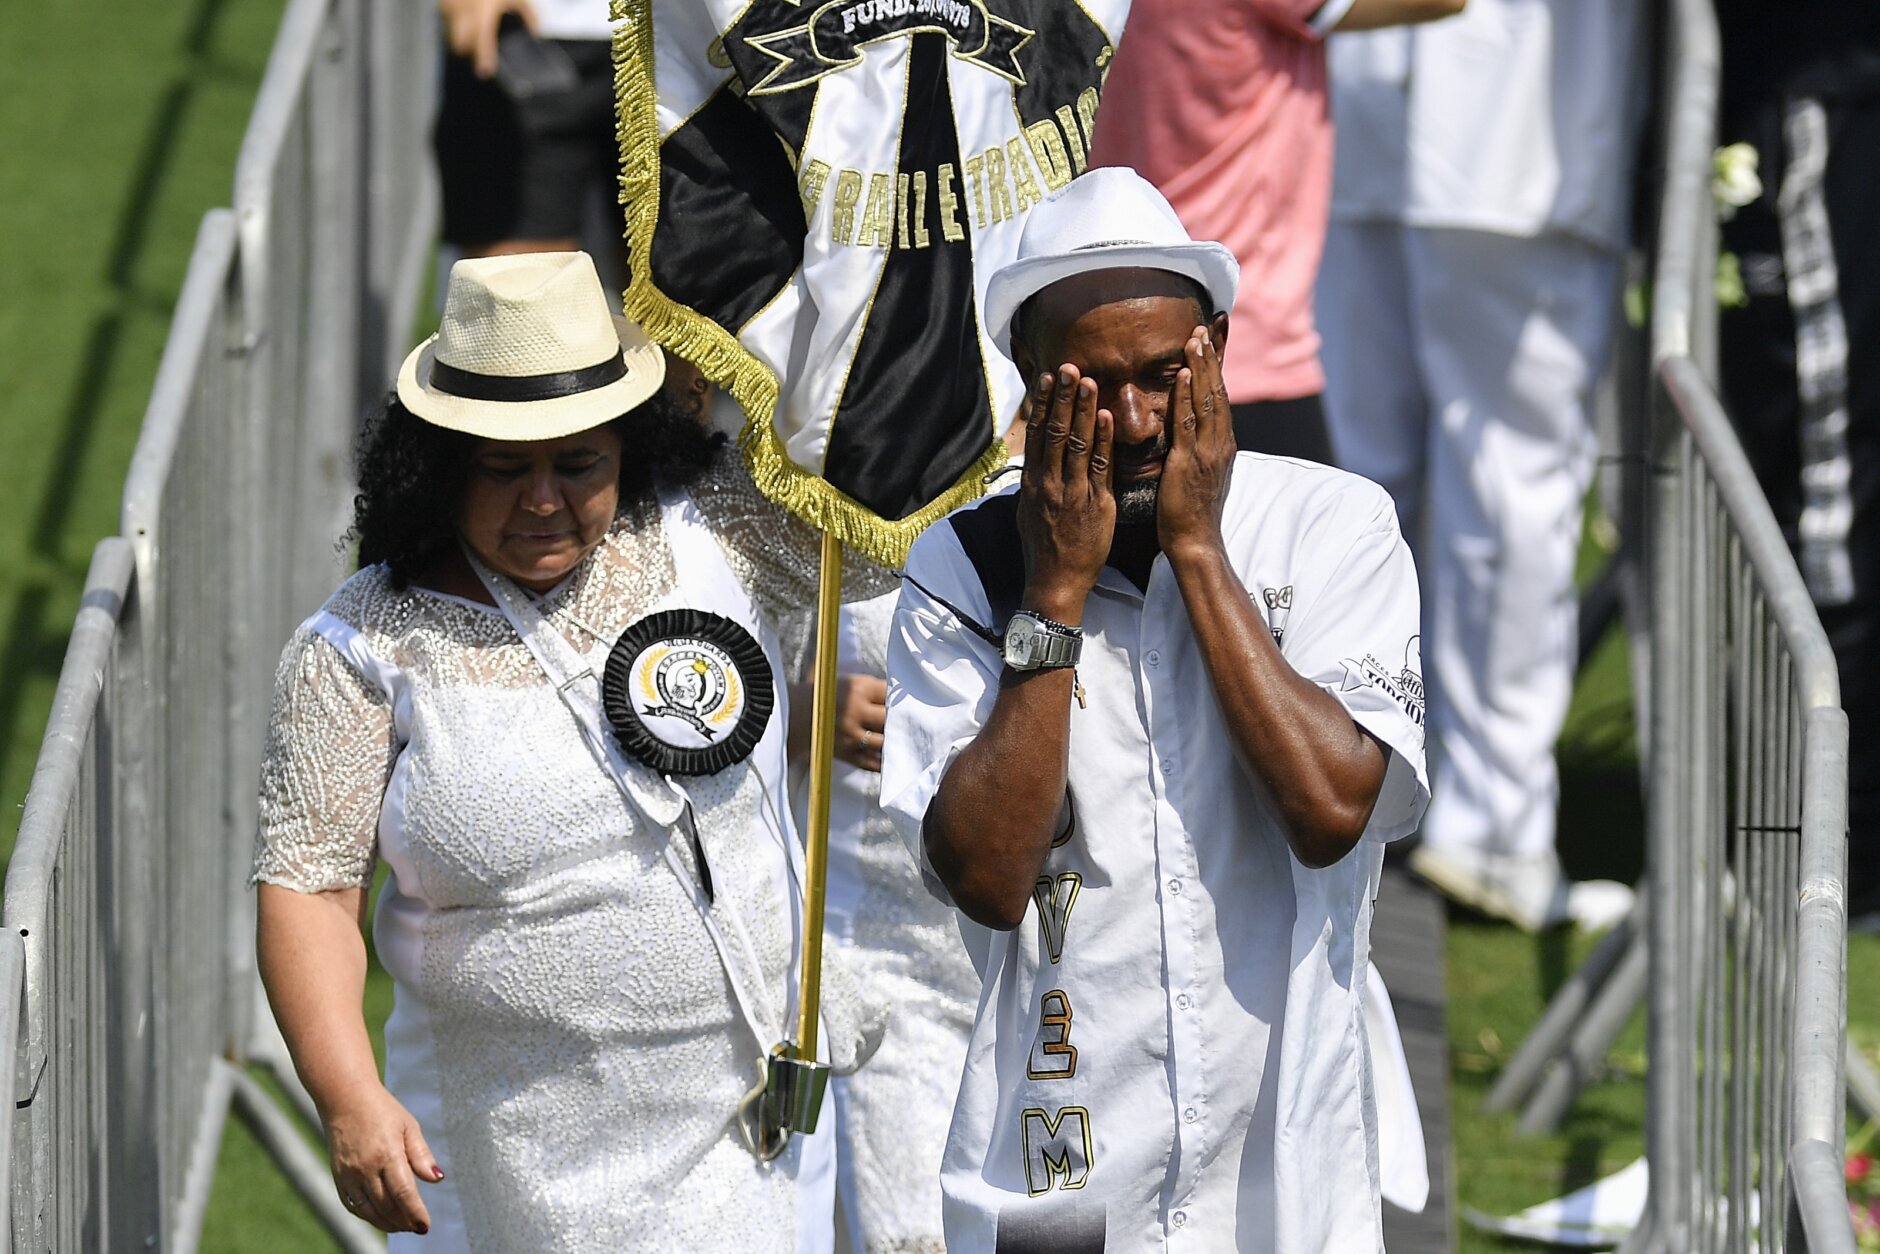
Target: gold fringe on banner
827,508
718,354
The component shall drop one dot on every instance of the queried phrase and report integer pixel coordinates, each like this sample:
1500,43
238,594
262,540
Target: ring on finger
868,738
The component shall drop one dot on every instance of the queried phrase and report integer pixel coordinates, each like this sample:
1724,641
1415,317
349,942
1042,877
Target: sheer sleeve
328,757
776,555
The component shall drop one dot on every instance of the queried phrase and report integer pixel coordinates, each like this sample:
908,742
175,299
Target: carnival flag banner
817,194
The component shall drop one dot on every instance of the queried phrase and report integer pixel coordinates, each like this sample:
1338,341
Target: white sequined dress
563,1029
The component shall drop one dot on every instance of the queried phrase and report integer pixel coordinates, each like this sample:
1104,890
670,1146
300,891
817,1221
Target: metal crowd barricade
129,1005
1747,786
61,919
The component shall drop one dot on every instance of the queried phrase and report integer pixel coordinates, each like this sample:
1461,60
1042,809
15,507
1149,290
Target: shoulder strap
988,536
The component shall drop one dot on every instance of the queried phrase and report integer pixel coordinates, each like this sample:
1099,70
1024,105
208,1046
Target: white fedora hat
1108,219
528,350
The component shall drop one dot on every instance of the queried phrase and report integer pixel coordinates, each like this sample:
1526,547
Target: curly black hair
412,476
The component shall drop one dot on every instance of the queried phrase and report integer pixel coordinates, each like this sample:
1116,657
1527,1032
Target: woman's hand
313,963
861,717
379,1155
861,714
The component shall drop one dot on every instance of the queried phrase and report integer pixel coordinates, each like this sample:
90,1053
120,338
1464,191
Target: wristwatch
1033,642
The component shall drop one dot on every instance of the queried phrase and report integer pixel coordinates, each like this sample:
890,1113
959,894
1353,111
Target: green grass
1499,981
122,123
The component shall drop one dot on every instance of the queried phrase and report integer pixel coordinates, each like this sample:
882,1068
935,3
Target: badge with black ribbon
688,692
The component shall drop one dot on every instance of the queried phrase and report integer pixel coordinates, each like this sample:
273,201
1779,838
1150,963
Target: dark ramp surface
1407,947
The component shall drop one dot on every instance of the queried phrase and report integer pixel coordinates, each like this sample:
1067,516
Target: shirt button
1153,658
1184,1001
1190,1115
1168,766
1175,888
1179,1218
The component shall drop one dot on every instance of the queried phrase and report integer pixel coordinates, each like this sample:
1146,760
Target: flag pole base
788,1100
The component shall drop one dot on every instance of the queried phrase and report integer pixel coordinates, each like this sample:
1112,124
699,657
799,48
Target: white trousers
1460,367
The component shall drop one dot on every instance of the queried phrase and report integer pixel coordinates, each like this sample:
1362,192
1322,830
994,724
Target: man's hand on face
1066,513
1193,490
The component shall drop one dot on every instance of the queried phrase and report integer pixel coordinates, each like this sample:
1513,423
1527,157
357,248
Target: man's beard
1135,504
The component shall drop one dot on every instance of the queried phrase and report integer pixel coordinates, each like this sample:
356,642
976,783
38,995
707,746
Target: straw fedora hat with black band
1111,218
529,350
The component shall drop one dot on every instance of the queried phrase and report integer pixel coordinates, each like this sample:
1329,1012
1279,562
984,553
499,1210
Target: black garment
1288,428
1758,343
523,165
1810,48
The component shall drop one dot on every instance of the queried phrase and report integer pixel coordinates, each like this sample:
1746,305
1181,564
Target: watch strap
1056,651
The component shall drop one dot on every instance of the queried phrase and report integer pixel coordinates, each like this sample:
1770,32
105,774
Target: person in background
525,132
1228,117
526,149
901,943
1800,359
1152,715
1471,274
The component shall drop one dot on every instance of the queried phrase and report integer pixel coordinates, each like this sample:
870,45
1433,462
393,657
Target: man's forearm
992,820
1322,771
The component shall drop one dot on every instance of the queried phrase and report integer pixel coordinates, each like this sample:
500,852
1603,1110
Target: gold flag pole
822,758
790,1098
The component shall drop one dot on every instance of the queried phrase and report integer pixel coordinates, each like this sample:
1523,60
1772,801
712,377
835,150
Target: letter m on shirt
1057,1149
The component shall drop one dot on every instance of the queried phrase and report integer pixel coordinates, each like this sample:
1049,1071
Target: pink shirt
1227,114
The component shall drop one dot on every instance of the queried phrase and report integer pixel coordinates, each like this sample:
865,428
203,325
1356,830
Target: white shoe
1531,893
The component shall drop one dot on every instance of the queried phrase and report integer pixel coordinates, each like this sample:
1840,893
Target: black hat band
472,386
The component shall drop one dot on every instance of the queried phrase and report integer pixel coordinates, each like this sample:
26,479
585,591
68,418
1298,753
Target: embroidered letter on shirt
1057,1149
1056,898
1053,1057
1278,610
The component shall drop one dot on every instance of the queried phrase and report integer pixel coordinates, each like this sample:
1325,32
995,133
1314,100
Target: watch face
1019,635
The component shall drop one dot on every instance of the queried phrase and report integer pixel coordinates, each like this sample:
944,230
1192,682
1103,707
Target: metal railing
128,996
1747,785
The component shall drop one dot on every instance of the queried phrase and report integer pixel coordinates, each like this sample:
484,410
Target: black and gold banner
817,194
835,35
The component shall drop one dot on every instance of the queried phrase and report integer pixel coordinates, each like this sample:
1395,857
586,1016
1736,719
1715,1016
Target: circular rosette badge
687,692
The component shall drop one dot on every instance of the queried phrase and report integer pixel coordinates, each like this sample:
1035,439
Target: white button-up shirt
1170,1051
1514,116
